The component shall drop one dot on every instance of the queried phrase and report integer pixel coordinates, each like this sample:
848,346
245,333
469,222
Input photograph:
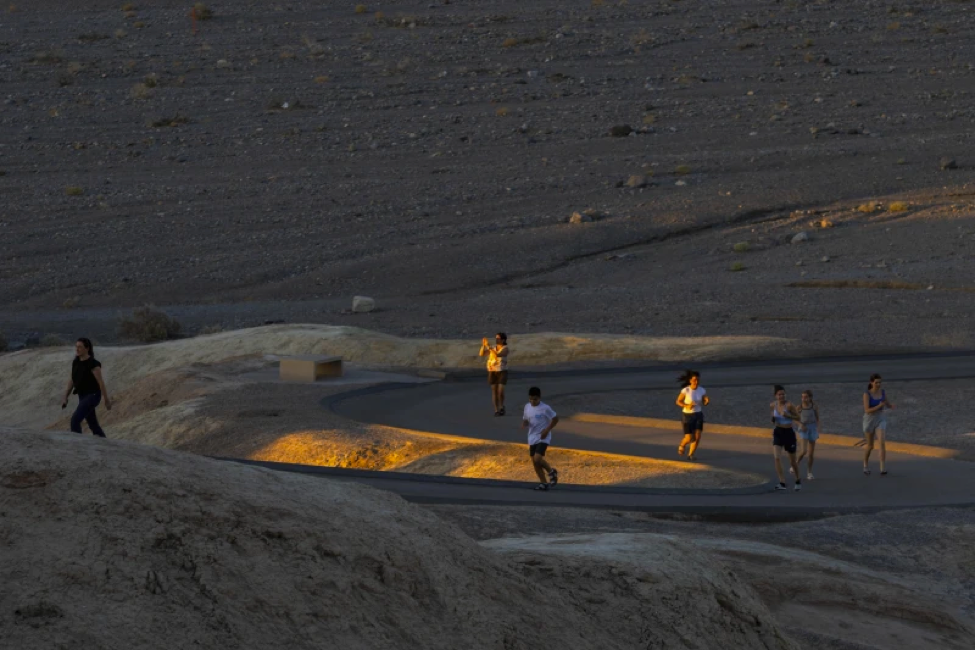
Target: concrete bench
309,368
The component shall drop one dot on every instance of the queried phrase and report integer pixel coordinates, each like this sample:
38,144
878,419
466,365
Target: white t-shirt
693,397
538,418
496,363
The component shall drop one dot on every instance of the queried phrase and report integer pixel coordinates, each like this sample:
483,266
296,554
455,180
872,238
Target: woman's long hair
88,346
874,377
685,379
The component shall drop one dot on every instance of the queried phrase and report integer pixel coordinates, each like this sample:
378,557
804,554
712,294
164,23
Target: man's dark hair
534,391
502,336
777,388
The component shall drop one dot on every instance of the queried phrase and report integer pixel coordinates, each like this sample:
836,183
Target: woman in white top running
692,399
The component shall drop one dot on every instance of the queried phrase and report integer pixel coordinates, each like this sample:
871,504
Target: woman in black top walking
86,382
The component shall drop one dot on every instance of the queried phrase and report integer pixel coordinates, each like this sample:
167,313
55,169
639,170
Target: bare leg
695,441
541,467
495,401
802,449
867,448
776,452
500,397
795,466
812,455
882,437
683,443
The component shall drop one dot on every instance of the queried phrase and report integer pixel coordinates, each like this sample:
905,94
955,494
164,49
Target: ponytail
88,346
685,379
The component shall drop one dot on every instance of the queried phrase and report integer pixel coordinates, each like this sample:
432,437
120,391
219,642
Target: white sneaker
798,486
792,471
809,476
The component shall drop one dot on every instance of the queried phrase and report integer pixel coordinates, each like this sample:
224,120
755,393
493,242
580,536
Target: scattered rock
224,64
824,258
621,131
579,217
362,304
800,237
948,163
636,181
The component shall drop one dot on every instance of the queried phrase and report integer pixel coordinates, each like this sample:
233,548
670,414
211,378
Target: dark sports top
83,376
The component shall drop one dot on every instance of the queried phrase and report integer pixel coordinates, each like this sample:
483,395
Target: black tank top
83,376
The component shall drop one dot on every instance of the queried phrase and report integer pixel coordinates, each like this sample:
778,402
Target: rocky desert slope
289,155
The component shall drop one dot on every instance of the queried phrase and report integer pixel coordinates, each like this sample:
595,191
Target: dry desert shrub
149,325
128,6
49,57
91,37
741,247
736,267
74,190
202,11
176,120
361,9
52,341
898,206
141,91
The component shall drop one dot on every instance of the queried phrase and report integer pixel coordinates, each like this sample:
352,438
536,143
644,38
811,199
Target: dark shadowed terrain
293,154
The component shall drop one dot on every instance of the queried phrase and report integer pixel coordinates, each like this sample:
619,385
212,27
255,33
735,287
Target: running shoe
809,476
501,412
542,486
553,476
780,487
792,471
798,486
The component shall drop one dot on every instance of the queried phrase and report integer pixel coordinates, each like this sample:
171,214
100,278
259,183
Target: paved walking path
462,407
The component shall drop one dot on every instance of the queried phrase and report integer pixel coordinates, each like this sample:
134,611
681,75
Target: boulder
363,304
800,237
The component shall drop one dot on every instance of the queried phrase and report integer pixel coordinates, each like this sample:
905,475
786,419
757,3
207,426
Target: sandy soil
431,156
198,395
113,545
891,580
927,412
32,381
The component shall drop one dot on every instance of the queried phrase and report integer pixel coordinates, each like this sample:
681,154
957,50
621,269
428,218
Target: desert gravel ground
289,156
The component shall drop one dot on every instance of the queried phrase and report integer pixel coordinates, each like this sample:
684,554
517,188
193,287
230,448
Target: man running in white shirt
497,367
540,419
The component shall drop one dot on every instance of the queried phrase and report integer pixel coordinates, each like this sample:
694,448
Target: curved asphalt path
461,406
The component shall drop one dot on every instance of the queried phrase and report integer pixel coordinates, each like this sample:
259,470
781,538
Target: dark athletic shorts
538,448
784,437
693,422
496,378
